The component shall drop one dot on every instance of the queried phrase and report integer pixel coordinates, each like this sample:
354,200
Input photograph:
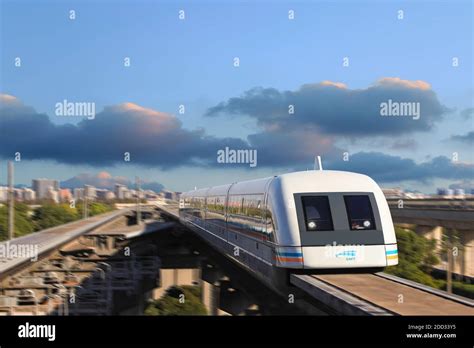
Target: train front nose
340,230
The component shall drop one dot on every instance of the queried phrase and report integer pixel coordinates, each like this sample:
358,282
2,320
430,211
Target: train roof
327,181
318,180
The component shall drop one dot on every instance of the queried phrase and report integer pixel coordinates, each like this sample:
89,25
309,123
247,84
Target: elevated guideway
170,208
380,294
46,240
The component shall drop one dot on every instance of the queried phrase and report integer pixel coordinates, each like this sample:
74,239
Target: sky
283,61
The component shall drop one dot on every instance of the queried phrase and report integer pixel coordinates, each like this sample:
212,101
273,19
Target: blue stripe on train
290,254
389,252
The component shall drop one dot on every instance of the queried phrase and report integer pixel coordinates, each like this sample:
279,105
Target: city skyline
63,192
101,184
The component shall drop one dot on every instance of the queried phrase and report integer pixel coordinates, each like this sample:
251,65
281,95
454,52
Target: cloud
398,82
387,168
404,144
337,110
467,138
294,147
152,138
157,139
107,181
467,113
467,185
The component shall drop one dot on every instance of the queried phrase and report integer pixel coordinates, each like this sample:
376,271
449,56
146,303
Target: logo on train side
348,252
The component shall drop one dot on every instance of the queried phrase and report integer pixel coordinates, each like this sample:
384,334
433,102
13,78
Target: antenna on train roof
317,160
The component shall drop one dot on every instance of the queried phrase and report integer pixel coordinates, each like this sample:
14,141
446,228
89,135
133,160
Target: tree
50,215
23,224
94,208
182,300
415,255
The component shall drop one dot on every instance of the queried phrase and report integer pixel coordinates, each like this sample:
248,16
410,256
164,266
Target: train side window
317,213
269,222
359,212
233,205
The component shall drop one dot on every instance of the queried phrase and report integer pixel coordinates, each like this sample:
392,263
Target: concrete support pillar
467,254
210,298
232,300
431,232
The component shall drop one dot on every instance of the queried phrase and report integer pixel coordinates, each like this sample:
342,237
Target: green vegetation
95,208
46,216
50,215
462,289
178,300
415,255
415,259
23,223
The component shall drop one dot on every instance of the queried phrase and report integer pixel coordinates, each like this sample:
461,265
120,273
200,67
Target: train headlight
366,223
312,225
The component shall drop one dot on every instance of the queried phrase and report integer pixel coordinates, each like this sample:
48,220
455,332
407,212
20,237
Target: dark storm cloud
152,138
386,168
336,109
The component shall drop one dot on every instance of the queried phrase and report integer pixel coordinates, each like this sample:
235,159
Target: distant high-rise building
445,192
18,194
392,193
170,194
104,194
89,191
29,195
78,193
42,186
52,194
3,193
121,191
65,195
109,195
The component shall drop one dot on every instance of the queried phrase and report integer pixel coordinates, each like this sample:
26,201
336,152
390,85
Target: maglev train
309,220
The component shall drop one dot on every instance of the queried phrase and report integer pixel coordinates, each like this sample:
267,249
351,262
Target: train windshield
317,214
359,212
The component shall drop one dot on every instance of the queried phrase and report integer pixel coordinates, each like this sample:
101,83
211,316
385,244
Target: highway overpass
431,218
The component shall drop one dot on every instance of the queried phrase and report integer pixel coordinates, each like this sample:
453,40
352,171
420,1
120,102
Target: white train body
302,220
